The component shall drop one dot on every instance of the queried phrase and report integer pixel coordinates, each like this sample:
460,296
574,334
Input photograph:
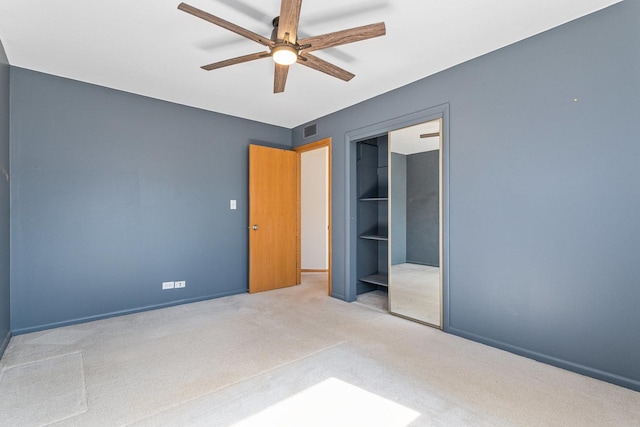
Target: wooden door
273,216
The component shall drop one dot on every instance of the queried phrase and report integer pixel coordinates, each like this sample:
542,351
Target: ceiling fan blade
233,61
326,67
429,135
338,38
226,24
280,79
335,53
289,18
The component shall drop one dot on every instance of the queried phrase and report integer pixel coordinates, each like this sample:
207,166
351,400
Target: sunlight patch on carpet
43,392
333,403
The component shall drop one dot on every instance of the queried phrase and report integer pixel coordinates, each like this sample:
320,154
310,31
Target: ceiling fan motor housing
274,33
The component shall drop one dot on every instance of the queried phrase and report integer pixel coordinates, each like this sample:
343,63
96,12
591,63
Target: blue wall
115,193
5,329
544,230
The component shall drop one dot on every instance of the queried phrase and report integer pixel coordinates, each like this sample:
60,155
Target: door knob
255,227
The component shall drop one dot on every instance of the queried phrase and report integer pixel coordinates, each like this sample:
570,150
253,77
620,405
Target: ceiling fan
284,46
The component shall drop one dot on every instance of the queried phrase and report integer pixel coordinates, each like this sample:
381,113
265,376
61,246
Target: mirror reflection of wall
414,278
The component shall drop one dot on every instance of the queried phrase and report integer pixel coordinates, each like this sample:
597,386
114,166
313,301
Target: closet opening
314,214
399,222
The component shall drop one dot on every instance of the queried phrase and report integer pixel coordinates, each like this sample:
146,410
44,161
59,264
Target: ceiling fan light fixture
284,54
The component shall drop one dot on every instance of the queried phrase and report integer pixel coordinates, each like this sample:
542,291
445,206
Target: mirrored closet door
414,282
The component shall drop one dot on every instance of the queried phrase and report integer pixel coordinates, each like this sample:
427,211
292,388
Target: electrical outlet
181,284
168,285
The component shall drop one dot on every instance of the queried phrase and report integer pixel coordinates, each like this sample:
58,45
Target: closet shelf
374,237
374,199
376,279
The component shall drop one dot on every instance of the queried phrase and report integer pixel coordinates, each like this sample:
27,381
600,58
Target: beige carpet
378,299
288,357
37,393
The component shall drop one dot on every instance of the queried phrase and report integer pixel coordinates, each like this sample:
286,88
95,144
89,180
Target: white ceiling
148,47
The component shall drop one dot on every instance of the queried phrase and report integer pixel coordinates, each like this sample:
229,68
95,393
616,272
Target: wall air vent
311,130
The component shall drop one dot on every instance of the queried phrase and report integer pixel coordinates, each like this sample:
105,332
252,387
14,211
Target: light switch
232,204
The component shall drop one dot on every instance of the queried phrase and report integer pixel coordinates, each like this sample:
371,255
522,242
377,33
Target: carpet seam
84,382
306,356
84,390
33,362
